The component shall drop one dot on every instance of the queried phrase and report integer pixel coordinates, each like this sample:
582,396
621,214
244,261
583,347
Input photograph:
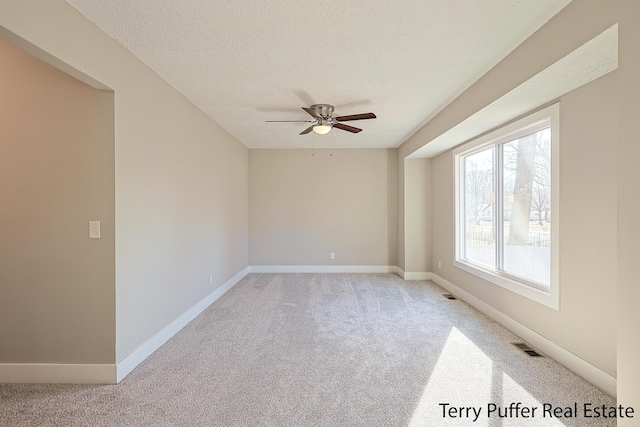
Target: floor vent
449,296
526,348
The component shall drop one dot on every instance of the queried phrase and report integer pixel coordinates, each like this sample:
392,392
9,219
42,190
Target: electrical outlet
211,279
94,229
332,255
439,264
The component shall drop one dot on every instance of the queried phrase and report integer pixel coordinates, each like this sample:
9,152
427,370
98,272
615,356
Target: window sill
549,299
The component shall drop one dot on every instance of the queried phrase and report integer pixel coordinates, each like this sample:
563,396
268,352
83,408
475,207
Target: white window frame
540,119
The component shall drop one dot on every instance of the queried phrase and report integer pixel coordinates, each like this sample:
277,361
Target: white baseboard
111,374
417,275
322,269
108,373
413,275
586,370
409,275
50,373
130,362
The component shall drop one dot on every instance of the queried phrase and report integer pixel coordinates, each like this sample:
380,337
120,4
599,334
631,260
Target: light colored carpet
320,350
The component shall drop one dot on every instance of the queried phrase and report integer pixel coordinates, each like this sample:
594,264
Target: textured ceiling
245,62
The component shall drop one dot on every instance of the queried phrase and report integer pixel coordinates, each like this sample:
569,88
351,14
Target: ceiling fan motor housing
325,110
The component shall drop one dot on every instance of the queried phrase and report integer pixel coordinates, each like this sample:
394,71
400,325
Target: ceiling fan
323,120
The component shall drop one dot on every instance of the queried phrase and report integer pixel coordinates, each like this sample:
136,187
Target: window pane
526,212
479,233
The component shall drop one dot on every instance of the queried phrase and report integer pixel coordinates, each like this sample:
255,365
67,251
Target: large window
507,206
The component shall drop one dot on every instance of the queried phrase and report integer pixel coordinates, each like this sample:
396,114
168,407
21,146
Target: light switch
94,229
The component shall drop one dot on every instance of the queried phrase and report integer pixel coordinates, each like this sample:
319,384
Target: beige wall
307,203
586,322
588,230
181,207
628,210
417,216
573,26
57,287
181,181
400,227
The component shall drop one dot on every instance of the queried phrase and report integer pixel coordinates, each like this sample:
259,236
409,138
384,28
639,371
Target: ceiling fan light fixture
322,128
323,120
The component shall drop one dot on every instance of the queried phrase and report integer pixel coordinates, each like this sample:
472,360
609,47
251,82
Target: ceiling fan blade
307,130
356,117
346,127
289,121
312,112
